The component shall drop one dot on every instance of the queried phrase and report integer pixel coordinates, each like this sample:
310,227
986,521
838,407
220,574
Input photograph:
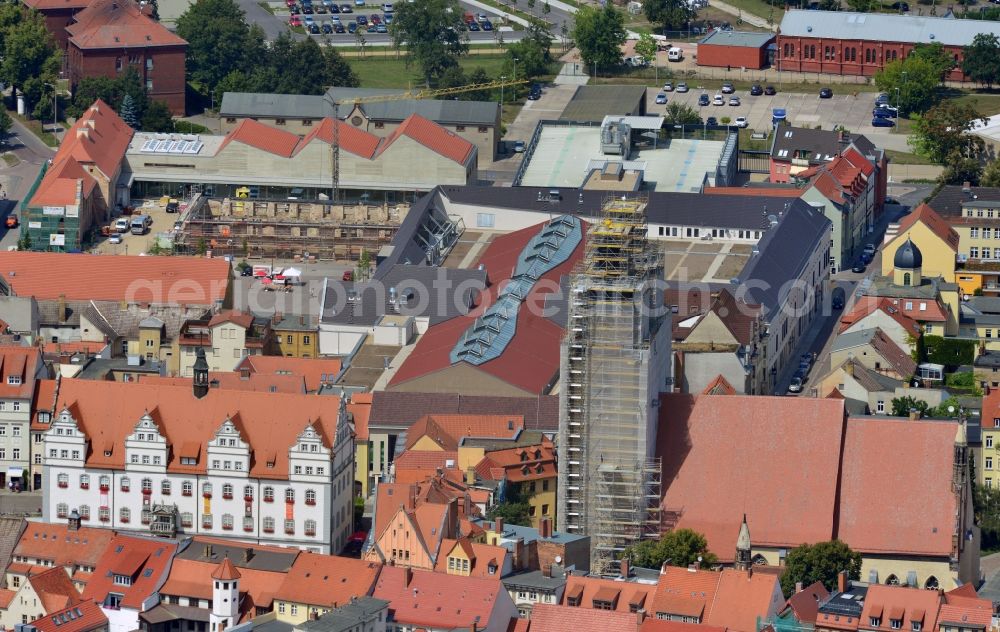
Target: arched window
310,527
248,492
269,494
931,583
124,514
289,495
892,580
906,278
310,497
84,512
227,491
759,560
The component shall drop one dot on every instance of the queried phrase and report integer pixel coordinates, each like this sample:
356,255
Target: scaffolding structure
614,363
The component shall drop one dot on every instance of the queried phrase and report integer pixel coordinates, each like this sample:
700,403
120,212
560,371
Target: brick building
736,49
58,15
110,36
845,43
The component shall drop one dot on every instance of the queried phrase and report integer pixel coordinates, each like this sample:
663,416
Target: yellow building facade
297,337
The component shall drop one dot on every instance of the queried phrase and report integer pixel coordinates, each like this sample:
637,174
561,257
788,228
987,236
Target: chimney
640,616
545,528
624,568
914,414
407,577
74,521
62,308
498,525
248,554
798,587
208,551
842,581
966,186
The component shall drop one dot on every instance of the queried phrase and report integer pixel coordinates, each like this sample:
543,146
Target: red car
294,21
375,19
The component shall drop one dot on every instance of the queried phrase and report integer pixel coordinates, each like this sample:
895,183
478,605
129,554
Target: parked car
519,146
535,93
320,9
859,267
718,100
682,87
308,20
727,88
741,122
886,111
381,28
702,100
661,98
362,20
795,386
870,248
338,27
116,238
290,3
121,225
805,363
473,26
825,93
173,206
770,91
334,8
326,28
313,28
352,27
246,271
487,25
668,87
386,8
883,122
294,10
294,21
734,101
900,6
375,19
307,10
346,8
838,299
756,90
882,98
711,121
371,29
348,275
387,19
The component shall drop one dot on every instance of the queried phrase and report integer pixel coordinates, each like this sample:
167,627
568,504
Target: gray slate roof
536,580
885,27
593,103
853,339
747,39
873,381
244,104
950,199
348,617
821,145
665,207
400,409
441,111
784,251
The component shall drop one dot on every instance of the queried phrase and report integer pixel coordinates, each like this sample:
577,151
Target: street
16,180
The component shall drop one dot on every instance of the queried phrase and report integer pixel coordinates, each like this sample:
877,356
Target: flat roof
562,157
747,39
891,27
593,103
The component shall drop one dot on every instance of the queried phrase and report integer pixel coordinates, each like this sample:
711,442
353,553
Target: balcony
289,531
63,484
84,485
106,487
186,492
310,502
248,498
227,496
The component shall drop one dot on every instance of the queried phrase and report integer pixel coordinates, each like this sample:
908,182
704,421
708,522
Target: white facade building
225,485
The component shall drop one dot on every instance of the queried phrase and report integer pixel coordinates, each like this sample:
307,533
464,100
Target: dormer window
13,379
917,626
875,621
895,624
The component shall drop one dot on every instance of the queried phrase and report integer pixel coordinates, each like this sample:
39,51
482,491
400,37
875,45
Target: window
84,481
973,253
875,621
485,220
248,492
187,519
124,514
310,527
268,525
227,522
63,480
289,495
305,340
16,430
269,494
187,488
988,464
84,512
295,610
280,121
104,514
289,527
974,232
895,624
227,491
105,483
989,441
248,523
62,510
880,406
149,85
307,122
310,497
206,521
147,486
281,607
916,625
206,490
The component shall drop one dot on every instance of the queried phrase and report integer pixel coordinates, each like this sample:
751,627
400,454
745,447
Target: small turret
743,547
200,374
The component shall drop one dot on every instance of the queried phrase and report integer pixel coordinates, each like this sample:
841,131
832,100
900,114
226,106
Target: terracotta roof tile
402,409
525,463
226,571
156,555
932,220
719,386
6,596
82,277
241,319
118,24
315,371
742,598
866,305
81,617
864,523
660,625
438,600
900,360
433,137
107,413
57,544
590,588
352,139
763,439
900,602
55,589
189,578
684,591
327,580
361,407
550,618
482,557
448,431
263,137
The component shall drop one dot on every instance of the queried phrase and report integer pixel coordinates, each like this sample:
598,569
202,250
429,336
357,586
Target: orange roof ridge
432,136
226,571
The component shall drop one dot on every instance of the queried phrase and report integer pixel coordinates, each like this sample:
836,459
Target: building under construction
614,363
286,229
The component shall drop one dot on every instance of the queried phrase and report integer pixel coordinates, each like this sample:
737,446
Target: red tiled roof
315,371
526,463
448,431
662,625
131,278
118,24
805,604
55,589
433,137
327,580
719,386
742,598
225,571
99,138
965,617
361,407
531,360
190,578
865,524
21,363
234,381
80,617
241,319
57,544
263,137
43,5
932,220
551,618
899,360
439,600
901,603
762,440
352,139
590,588
156,554
685,592
481,556
866,305
107,413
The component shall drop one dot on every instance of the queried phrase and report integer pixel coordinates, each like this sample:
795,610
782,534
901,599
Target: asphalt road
17,180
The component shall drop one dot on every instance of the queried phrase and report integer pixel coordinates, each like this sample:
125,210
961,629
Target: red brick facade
846,57
732,56
161,69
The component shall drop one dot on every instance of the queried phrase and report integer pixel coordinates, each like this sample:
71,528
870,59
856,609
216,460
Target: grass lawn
906,158
393,73
10,159
985,103
758,8
266,6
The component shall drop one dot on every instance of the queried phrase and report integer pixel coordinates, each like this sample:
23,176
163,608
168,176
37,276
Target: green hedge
949,351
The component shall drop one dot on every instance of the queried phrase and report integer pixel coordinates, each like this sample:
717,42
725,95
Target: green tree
364,266
599,34
219,41
939,134
478,75
981,59
30,57
546,9
337,71
986,505
820,562
681,114
24,243
514,508
962,169
943,412
912,83
940,59
672,15
235,81
157,118
646,46
5,124
681,547
531,5
532,58
991,174
128,112
434,35
901,406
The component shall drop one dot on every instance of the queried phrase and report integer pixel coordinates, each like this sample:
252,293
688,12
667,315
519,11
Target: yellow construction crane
402,96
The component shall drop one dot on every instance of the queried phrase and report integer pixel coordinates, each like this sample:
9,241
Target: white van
140,225
121,225
675,54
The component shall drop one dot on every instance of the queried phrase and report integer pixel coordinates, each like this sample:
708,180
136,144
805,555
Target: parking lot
803,110
137,244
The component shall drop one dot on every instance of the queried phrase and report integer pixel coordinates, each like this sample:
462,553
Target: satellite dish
558,559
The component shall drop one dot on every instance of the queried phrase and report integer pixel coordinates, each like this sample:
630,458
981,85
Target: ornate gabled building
269,468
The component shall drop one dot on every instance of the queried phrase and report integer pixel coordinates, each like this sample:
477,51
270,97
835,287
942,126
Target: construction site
614,363
289,229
